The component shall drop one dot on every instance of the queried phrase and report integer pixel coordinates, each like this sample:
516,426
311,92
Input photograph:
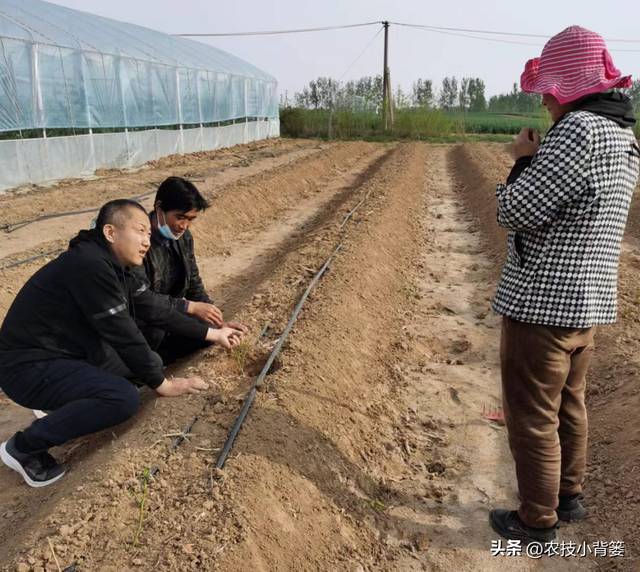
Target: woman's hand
526,144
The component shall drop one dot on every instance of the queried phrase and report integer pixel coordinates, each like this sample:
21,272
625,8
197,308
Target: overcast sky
298,58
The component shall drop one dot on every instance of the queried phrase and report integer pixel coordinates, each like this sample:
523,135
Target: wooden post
385,77
390,115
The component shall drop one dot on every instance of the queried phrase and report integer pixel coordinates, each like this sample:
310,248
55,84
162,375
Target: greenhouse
80,92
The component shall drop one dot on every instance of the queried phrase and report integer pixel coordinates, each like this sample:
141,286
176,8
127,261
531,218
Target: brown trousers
543,387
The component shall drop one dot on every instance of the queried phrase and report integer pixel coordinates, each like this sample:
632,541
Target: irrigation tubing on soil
16,226
177,442
262,333
18,262
181,438
265,370
346,219
10,227
267,366
349,215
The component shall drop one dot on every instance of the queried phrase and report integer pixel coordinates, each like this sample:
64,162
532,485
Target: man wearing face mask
70,339
170,269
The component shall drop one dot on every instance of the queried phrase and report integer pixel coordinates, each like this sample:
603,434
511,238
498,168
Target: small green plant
415,291
240,356
140,502
376,504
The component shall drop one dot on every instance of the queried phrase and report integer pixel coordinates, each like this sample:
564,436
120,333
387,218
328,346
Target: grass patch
418,124
502,123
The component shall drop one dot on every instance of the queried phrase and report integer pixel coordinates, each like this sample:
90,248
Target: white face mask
164,229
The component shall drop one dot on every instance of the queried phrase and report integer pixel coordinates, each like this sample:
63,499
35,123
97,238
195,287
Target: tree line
468,94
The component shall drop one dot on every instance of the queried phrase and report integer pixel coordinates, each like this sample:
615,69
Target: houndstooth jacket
566,214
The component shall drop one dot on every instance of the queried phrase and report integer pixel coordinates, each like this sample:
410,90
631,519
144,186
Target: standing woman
565,204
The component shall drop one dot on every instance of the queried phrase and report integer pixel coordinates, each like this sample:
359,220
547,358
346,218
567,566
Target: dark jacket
155,271
83,301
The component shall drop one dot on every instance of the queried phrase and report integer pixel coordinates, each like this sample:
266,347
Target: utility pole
385,76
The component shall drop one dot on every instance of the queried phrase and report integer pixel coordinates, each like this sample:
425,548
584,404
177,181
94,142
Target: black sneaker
508,524
37,469
570,508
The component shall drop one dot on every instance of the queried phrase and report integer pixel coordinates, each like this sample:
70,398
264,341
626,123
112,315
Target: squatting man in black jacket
69,341
170,269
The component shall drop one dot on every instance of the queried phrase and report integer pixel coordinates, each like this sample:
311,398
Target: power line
426,27
496,33
361,53
440,31
434,29
273,32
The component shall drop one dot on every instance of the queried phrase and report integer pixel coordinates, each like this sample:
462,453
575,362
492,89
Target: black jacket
155,271
82,301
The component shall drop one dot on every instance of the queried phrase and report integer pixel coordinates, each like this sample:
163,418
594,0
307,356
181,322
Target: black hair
117,212
178,194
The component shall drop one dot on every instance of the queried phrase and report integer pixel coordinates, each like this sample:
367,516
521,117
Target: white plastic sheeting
25,161
70,70
66,69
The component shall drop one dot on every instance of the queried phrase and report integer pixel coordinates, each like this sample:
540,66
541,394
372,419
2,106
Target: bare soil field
366,450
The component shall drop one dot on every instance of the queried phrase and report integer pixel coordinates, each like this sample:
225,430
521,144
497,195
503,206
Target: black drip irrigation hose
11,227
181,438
16,226
254,390
262,333
177,442
346,219
23,261
238,164
349,215
247,405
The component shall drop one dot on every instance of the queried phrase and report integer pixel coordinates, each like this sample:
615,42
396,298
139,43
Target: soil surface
366,450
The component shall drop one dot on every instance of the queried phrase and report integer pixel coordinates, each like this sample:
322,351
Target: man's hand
235,326
526,144
181,386
226,337
207,312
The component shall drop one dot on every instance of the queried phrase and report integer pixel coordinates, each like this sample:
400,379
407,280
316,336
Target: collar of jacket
96,237
614,105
